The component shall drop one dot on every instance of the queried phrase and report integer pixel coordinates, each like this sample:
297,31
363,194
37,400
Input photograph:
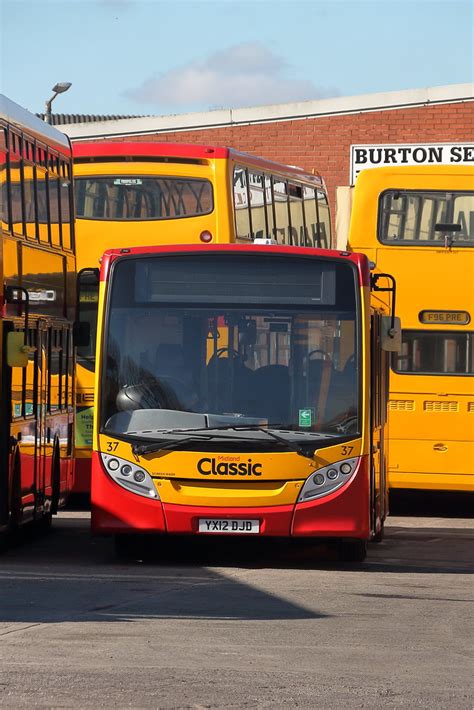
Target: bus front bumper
344,513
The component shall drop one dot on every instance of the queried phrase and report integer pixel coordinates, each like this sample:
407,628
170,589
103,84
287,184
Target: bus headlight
130,476
328,479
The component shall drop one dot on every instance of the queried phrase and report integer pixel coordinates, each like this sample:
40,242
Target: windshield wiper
204,434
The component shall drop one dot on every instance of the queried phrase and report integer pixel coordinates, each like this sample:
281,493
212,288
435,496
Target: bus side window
23,383
310,215
30,201
29,393
241,205
54,370
62,343
65,202
280,205
257,205
16,184
70,371
55,210
4,197
268,193
17,392
43,206
296,215
324,223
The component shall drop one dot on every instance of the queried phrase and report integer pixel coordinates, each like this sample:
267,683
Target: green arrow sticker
306,417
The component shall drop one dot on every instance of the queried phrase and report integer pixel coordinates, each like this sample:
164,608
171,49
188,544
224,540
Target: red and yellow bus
418,223
37,303
240,389
165,193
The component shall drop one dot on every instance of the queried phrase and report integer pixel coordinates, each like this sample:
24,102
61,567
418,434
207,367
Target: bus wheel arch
351,550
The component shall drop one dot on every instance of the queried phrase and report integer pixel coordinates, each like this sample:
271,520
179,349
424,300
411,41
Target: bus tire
3,541
125,546
352,550
45,522
379,536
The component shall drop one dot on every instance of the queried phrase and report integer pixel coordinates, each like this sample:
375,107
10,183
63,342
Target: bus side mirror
391,334
17,351
81,334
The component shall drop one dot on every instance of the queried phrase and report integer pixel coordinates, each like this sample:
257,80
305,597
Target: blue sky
158,57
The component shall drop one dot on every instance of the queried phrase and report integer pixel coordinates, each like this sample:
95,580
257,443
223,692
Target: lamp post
59,88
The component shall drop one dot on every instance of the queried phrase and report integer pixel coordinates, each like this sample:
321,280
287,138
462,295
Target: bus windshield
267,341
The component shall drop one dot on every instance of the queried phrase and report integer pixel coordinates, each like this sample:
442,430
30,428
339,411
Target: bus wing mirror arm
20,295
86,278
391,327
17,349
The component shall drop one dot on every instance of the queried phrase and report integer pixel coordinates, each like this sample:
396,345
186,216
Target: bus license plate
226,525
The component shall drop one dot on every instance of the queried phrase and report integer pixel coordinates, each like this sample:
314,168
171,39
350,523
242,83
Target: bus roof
114,149
360,261
25,121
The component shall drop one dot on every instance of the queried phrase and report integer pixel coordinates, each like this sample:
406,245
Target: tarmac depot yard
208,623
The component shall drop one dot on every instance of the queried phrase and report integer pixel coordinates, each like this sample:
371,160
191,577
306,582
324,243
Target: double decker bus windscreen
260,340
136,197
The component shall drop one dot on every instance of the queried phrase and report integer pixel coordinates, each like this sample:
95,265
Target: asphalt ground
234,623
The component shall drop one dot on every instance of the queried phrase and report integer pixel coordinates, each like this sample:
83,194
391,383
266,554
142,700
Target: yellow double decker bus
37,275
241,390
418,223
130,194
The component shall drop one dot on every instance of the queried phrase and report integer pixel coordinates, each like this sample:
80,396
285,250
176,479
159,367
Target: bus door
29,436
378,401
44,457
19,392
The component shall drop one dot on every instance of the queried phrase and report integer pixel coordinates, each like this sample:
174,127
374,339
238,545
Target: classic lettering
212,467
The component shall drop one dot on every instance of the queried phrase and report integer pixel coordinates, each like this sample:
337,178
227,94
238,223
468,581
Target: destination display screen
220,278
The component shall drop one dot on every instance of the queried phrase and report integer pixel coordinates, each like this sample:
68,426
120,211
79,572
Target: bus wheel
125,546
352,550
379,536
45,522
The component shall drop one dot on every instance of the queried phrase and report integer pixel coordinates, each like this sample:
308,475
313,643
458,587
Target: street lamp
59,88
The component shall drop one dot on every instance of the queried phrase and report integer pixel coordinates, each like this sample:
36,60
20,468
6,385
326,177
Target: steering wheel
162,393
325,355
225,353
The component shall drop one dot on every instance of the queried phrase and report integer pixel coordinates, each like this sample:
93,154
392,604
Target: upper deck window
288,211
416,218
132,197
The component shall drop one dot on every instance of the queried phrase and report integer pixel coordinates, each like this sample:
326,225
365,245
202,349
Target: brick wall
323,143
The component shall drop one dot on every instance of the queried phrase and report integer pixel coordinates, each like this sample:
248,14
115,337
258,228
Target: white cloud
245,75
